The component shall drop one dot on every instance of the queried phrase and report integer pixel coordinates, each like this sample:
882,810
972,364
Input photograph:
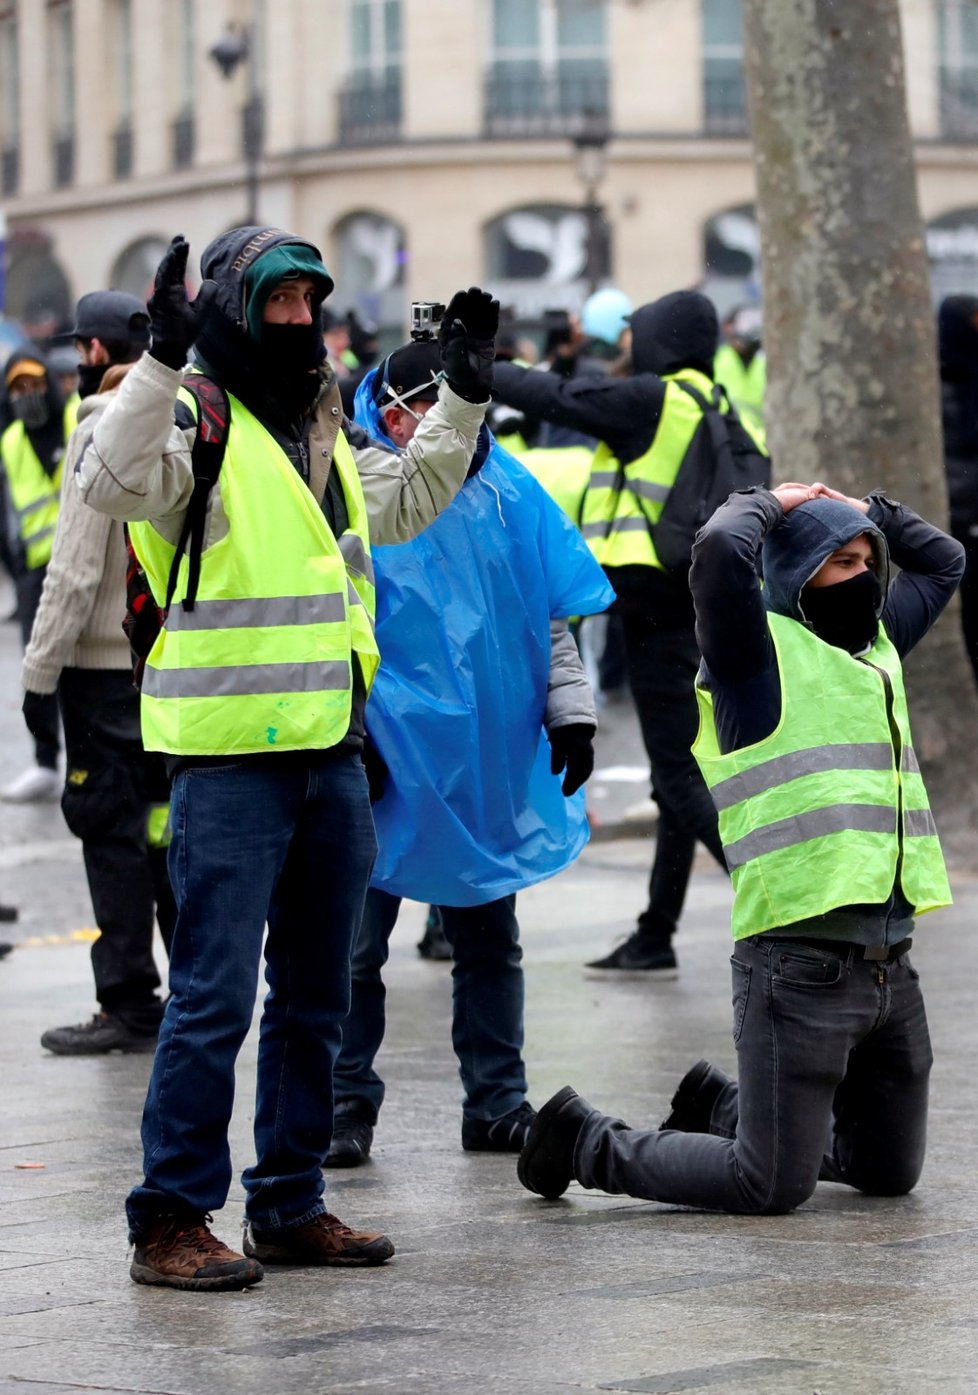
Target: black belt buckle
883,953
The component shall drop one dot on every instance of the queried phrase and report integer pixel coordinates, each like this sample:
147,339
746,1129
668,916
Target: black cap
407,370
111,315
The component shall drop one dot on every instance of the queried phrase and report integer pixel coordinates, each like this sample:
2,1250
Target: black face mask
844,614
32,409
289,358
90,377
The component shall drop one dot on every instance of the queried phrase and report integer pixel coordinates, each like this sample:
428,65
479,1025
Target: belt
881,954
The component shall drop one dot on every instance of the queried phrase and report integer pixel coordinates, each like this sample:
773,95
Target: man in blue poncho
481,703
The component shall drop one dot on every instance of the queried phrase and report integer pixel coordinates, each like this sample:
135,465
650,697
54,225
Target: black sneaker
8,914
5,949
434,942
546,1164
104,1033
350,1144
638,956
504,1135
692,1104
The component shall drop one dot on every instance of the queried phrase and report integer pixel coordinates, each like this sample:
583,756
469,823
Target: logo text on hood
251,249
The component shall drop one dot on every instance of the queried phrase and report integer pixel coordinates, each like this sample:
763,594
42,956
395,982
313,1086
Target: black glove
174,320
376,770
467,339
572,751
41,716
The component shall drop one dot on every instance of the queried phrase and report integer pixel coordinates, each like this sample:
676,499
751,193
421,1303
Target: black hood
225,350
677,331
228,258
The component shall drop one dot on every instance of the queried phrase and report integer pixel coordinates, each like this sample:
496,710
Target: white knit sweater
79,620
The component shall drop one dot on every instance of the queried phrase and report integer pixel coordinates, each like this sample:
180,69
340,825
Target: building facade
424,144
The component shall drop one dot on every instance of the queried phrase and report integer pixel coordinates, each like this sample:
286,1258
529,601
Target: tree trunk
848,325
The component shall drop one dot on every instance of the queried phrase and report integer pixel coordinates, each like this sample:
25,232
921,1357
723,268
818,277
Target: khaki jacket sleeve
407,490
570,699
138,463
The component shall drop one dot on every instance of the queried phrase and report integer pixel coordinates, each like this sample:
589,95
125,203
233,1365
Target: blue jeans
833,1060
487,1008
292,844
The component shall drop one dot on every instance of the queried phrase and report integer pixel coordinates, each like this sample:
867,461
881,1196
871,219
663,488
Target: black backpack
721,458
144,618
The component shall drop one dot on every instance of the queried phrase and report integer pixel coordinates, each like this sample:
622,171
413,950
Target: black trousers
106,803
662,665
29,585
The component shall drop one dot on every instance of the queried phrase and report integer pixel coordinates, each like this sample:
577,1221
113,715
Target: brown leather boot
323,1240
181,1252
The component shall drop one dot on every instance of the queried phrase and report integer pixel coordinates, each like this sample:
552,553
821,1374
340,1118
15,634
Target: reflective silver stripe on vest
36,507
919,823
620,525
908,761
257,612
801,828
645,489
29,538
246,679
869,755
603,479
356,556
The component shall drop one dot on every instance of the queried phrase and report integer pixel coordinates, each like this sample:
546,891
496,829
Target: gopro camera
425,315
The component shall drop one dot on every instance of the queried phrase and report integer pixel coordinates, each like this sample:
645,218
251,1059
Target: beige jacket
79,620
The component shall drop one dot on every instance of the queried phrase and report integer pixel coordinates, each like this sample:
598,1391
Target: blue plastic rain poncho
471,811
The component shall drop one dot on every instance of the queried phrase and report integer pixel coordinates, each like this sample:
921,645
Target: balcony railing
9,169
63,160
959,106
183,136
725,102
122,152
540,104
370,112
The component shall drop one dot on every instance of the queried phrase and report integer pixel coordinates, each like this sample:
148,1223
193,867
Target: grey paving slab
491,1290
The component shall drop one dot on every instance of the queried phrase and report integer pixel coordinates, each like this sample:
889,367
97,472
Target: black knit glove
175,321
468,343
572,750
41,716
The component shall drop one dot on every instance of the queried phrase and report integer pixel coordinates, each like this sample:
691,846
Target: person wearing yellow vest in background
645,423
114,795
255,688
32,452
741,365
806,745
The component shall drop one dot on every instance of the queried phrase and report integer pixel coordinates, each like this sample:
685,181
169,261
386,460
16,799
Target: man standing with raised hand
255,688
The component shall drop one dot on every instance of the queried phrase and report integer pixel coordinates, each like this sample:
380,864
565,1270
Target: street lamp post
591,159
234,47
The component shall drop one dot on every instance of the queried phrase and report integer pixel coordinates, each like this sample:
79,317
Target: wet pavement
491,1289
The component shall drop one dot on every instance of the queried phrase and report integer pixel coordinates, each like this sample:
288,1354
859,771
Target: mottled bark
848,326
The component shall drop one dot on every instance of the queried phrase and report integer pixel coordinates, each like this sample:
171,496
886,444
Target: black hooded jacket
677,331
740,666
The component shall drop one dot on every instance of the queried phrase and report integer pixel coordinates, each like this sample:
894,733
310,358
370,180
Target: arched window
38,293
732,258
952,250
369,273
135,268
537,258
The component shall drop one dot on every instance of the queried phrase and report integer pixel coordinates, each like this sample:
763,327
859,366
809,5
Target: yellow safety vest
829,810
35,496
623,503
563,471
264,660
745,384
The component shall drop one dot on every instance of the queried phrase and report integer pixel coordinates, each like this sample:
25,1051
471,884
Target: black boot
546,1164
696,1094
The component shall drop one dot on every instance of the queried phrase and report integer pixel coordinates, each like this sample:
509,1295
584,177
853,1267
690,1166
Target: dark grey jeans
833,1059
